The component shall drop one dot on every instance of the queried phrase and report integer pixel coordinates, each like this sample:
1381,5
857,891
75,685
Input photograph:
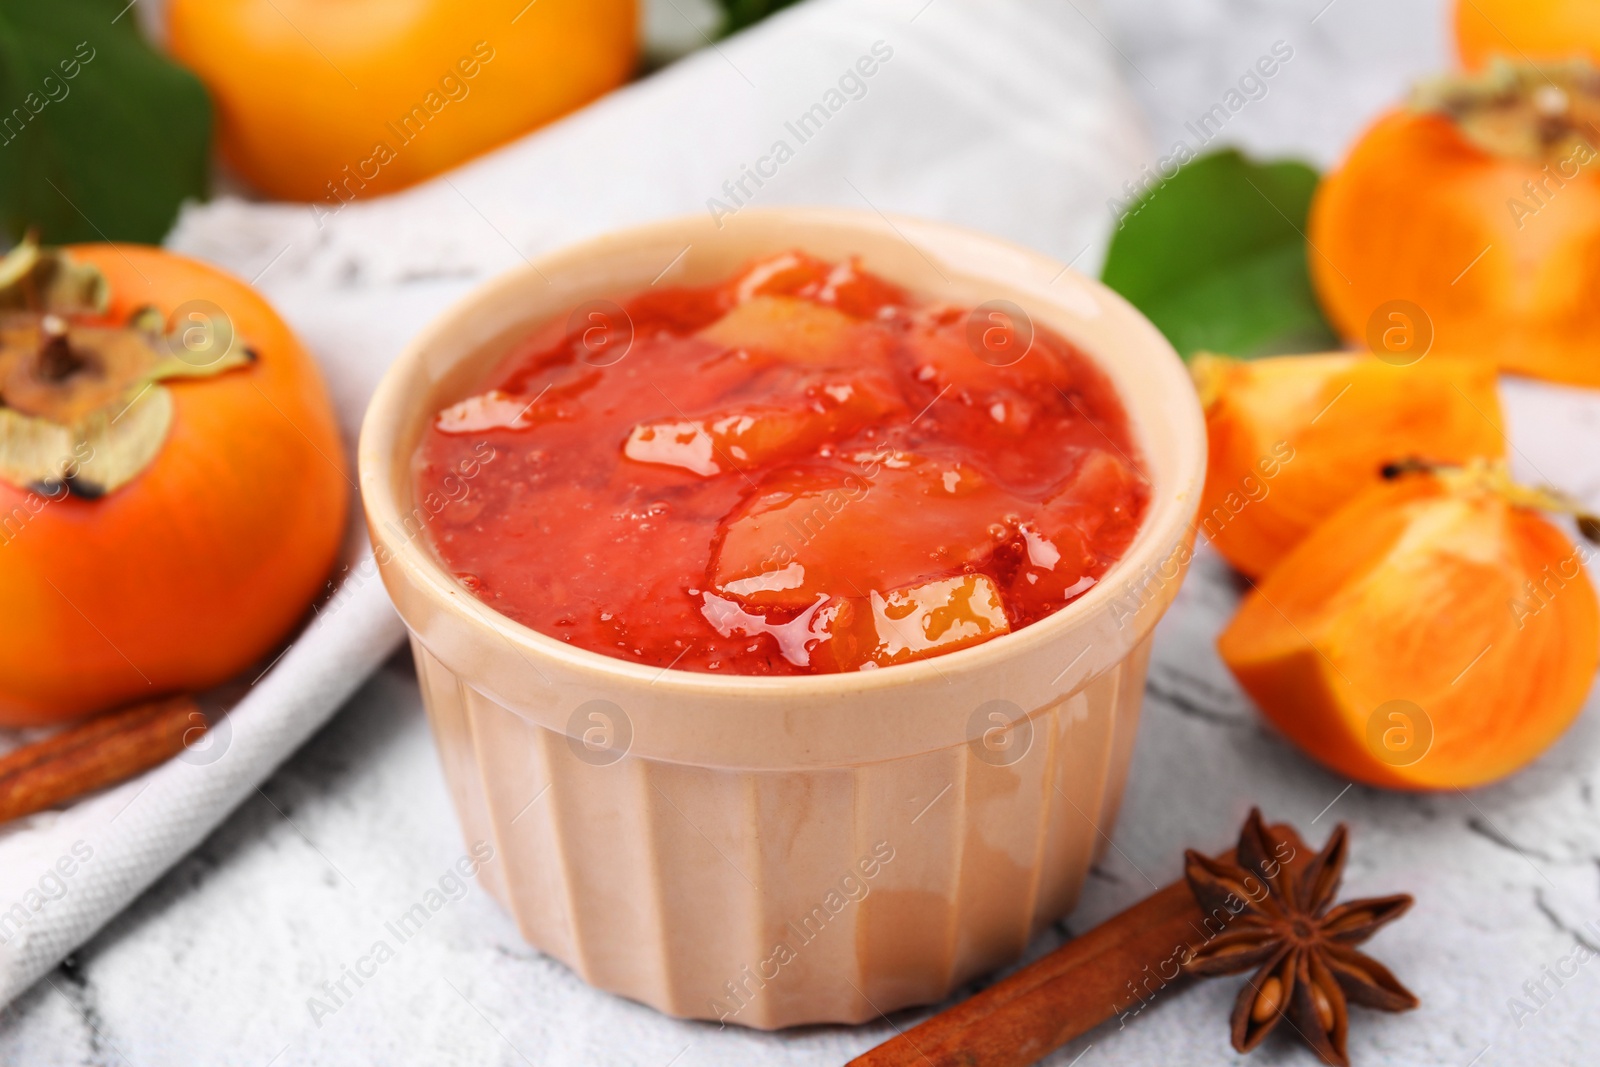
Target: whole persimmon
1437,632
328,100
173,489
1527,30
1473,217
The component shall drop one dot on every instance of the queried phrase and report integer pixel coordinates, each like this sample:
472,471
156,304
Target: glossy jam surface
799,470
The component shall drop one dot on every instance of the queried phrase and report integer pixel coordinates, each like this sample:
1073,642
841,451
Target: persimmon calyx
82,407
49,280
1208,370
1493,476
1522,110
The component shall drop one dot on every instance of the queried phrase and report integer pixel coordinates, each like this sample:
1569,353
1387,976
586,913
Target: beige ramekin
777,851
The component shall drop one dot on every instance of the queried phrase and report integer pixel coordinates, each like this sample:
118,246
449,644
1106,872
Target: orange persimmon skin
306,90
1420,214
199,566
1417,593
1294,438
1521,30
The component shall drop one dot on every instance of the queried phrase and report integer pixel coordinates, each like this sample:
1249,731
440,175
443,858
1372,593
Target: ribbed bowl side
445,698
1122,705
773,898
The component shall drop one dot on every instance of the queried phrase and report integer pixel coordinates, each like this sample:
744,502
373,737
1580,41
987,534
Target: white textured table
217,963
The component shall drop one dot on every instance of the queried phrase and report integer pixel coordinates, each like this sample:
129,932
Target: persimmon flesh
1436,633
1294,438
199,565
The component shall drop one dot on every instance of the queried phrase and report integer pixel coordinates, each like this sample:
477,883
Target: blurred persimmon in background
1527,30
1478,210
328,100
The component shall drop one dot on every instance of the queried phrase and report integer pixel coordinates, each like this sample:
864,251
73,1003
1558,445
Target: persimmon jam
799,470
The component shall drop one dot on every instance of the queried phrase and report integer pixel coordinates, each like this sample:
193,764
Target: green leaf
742,13
1216,257
101,138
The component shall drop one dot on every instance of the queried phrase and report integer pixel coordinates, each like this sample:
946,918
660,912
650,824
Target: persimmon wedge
1294,438
1438,632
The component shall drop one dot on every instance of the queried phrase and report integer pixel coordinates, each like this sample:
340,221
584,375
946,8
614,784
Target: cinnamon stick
1109,971
103,751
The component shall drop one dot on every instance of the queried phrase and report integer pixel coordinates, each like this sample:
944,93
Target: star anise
1274,908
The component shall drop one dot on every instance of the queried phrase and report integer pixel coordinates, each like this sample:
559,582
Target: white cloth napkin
1009,116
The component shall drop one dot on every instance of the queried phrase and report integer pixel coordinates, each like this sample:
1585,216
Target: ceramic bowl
781,850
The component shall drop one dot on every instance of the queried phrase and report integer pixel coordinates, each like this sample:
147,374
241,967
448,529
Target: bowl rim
1168,526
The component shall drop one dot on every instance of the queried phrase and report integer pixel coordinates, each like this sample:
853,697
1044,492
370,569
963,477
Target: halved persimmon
1438,632
1294,438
